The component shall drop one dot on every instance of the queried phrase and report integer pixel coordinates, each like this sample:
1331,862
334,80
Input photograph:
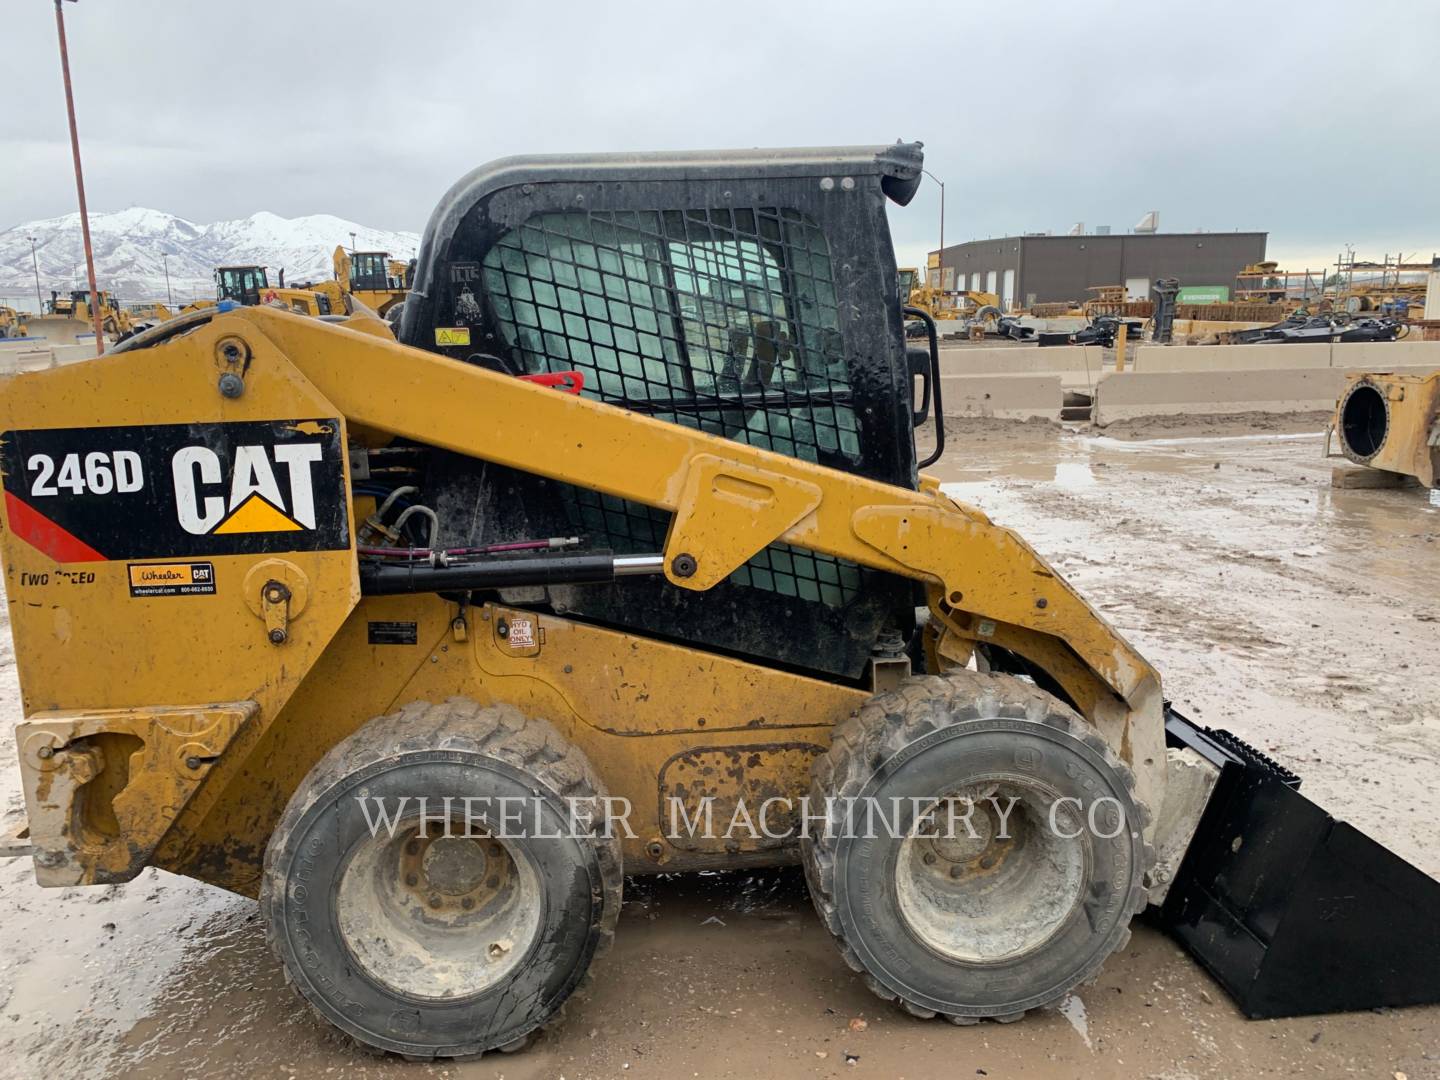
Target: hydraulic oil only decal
176,491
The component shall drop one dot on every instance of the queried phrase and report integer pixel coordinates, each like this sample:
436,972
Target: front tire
997,913
422,937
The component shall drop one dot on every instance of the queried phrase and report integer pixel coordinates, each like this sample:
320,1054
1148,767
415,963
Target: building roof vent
1150,223
1078,229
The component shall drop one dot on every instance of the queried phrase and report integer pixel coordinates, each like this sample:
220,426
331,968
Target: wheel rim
992,886
436,913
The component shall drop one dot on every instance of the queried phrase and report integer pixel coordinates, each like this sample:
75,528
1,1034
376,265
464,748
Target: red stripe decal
43,534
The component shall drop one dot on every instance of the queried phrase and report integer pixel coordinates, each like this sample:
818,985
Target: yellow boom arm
730,500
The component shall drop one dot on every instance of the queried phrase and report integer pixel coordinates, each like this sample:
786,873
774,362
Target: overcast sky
1317,122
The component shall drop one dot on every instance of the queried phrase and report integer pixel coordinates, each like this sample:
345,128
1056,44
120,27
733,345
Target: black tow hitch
1293,912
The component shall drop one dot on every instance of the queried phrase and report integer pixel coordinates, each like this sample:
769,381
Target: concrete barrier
1007,397
1381,356
30,355
70,354
1351,356
1128,394
31,358
1019,359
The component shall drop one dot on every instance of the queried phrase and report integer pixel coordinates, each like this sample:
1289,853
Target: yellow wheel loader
620,560
372,277
250,285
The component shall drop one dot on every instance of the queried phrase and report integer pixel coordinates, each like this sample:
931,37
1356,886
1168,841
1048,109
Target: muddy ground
1302,617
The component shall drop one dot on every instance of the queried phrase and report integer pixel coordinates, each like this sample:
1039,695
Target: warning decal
452,335
172,579
177,490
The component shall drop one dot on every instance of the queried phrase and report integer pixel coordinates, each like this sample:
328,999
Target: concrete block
1007,397
1128,394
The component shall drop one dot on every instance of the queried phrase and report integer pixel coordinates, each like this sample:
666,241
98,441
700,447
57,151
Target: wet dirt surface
1303,618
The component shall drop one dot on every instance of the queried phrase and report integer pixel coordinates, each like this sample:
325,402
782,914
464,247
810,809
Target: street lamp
940,264
95,311
165,258
40,303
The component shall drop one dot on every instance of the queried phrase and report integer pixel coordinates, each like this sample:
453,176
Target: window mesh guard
721,320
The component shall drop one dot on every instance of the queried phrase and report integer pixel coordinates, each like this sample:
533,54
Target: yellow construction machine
372,277
970,304
250,285
620,560
66,319
12,323
149,312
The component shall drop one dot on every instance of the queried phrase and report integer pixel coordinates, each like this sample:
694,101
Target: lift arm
730,500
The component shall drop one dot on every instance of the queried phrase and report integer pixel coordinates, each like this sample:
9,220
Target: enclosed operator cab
753,297
243,284
370,272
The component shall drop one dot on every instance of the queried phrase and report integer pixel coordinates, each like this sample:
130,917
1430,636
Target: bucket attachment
1293,912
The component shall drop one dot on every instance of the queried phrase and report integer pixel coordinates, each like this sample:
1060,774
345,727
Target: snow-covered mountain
130,246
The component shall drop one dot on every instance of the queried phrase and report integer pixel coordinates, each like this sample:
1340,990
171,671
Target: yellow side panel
647,714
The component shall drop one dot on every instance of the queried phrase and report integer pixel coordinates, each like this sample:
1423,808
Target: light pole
940,266
40,303
95,313
165,258
352,244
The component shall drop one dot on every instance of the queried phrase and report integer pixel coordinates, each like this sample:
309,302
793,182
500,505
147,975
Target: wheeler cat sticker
177,490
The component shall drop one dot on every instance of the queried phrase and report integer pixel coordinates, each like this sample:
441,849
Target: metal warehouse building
1026,270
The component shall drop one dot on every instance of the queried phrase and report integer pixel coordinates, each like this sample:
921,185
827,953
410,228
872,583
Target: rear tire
994,916
422,940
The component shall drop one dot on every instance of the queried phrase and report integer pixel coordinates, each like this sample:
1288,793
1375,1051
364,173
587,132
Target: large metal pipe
385,579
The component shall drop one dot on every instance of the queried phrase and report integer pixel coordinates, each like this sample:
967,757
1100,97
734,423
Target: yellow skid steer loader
620,560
